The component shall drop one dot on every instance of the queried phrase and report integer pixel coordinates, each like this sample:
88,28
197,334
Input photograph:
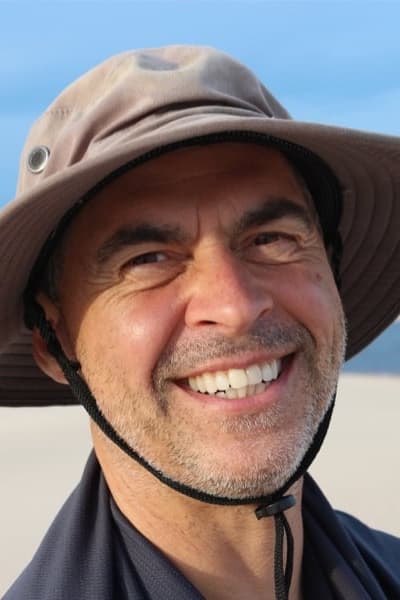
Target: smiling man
187,257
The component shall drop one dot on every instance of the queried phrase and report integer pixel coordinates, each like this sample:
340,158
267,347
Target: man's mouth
237,383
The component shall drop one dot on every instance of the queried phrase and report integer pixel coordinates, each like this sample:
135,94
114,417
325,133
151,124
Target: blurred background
331,62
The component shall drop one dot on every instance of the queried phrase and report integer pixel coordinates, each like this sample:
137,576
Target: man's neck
224,551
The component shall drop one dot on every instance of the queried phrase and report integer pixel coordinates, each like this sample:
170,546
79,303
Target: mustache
187,354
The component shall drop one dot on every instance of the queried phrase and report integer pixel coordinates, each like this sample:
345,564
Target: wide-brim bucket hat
140,104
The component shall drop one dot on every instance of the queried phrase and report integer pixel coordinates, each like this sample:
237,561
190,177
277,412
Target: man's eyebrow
130,235
273,209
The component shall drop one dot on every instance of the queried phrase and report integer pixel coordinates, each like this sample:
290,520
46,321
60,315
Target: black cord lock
269,510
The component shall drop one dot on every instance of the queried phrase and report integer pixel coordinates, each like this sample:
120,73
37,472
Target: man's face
199,300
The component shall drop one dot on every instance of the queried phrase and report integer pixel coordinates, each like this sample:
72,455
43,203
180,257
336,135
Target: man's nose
227,292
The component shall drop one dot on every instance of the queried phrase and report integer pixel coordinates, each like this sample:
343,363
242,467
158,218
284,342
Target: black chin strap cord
282,575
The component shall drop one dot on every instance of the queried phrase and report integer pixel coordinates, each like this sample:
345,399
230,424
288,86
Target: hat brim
366,164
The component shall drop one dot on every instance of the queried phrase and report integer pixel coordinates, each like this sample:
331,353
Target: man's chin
242,483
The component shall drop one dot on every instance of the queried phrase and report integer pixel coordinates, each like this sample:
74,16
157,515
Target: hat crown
141,92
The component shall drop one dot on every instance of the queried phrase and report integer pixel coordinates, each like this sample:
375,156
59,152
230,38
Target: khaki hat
140,104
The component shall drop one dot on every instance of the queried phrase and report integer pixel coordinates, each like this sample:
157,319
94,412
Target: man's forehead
210,167
234,176
198,161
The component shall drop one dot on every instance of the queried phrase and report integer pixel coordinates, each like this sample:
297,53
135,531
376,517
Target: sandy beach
43,451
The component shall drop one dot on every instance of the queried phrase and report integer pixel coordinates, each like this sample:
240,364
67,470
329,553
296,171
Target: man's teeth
237,383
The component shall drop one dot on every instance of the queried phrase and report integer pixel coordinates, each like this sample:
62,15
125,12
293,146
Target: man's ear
45,361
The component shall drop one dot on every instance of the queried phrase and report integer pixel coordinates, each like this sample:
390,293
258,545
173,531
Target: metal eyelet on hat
37,159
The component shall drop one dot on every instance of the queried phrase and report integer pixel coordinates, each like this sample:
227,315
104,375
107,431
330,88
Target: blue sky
332,62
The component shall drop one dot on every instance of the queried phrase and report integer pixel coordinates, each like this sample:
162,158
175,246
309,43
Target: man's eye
272,247
146,259
150,269
269,238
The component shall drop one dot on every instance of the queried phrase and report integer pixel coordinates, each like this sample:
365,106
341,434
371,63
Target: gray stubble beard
187,466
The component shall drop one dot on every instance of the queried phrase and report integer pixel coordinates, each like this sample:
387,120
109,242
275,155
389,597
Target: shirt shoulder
380,550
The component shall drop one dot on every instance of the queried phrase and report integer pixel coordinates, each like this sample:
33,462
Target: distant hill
382,356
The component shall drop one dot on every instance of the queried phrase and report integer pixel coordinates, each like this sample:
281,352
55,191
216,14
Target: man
186,257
